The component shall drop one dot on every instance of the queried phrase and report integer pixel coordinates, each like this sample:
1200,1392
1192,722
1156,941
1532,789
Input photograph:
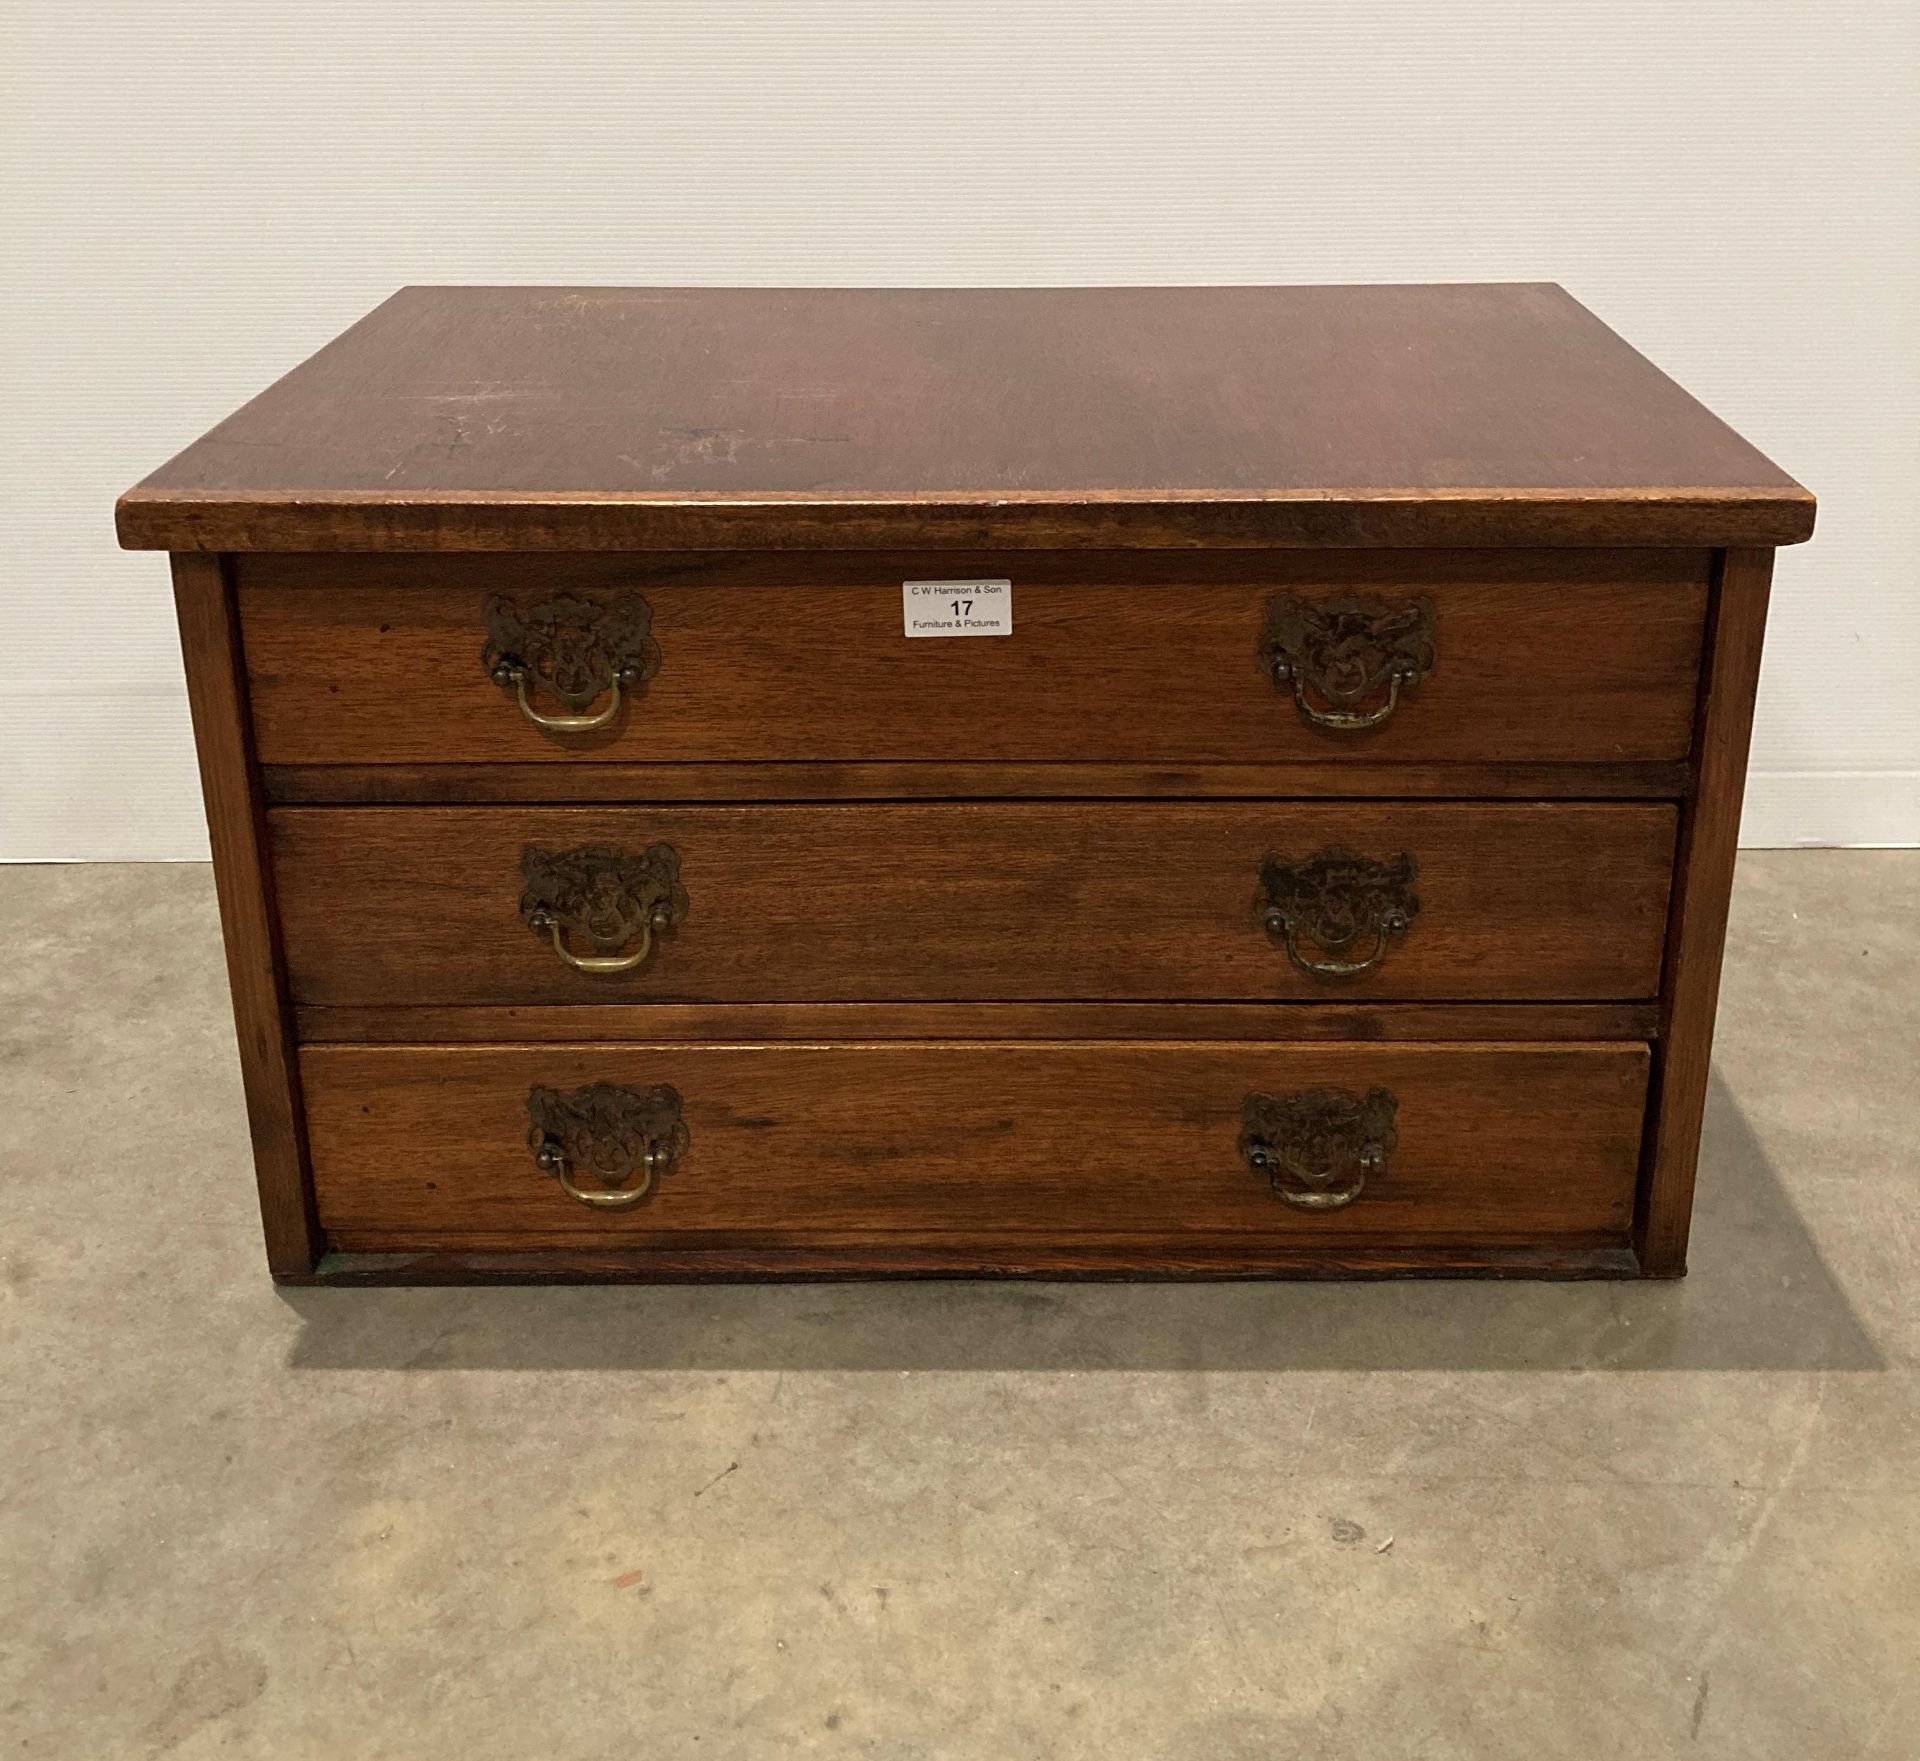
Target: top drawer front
1565,656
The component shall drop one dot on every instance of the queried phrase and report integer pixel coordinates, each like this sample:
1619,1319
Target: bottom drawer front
418,1148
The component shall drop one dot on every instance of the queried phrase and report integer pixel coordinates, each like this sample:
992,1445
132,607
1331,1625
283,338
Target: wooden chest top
494,418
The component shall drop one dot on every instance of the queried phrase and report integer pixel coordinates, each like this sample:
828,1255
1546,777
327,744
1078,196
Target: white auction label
957,608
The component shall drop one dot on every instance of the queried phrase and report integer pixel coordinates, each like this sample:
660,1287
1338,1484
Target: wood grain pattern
978,1147
236,828
1012,901
1710,837
1345,778
1537,663
636,418
399,1024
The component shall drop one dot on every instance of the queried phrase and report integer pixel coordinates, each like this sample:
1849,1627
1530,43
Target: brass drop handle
1269,1161
610,1132
1310,1199
516,676
1338,901
1338,655
573,650
1337,968
1318,1147
549,921
613,902
552,1159
1321,718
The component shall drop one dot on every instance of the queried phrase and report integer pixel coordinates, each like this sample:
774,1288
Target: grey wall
194,197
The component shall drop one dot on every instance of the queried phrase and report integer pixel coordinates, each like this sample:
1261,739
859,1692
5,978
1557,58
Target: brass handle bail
1343,720
602,963
512,673
550,1158
1272,1164
1281,930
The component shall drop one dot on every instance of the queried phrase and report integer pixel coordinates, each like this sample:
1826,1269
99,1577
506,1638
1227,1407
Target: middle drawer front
1411,901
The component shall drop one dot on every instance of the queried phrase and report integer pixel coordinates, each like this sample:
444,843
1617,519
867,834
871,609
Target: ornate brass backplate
611,901
1338,901
609,1133
1318,1147
1346,660
573,650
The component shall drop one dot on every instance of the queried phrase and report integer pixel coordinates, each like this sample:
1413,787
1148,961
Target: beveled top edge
1761,518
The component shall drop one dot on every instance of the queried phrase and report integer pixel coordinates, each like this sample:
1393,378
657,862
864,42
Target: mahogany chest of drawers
1130,781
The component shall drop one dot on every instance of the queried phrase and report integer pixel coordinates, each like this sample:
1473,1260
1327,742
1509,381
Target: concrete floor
1133,1522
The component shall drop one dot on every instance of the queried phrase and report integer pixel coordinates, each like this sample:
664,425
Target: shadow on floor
1760,1298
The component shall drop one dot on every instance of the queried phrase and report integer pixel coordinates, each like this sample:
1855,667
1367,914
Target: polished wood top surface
476,418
